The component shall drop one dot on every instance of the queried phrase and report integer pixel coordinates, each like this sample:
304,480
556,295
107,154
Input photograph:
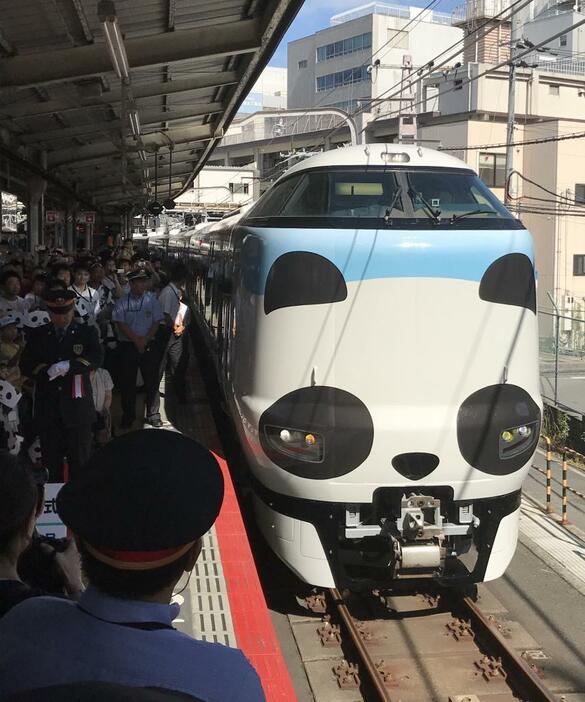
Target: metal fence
562,359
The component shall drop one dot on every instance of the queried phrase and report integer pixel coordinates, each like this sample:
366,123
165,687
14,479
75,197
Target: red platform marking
252,625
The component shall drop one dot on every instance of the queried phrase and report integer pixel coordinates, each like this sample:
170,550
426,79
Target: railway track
414,648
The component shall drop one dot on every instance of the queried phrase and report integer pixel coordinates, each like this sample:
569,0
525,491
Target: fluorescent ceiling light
134,122
114,39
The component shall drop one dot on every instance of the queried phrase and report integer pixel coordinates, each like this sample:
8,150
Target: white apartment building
330,67
269,92
220,189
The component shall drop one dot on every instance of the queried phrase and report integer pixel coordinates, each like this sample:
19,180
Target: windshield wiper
392,204
456,218
433,214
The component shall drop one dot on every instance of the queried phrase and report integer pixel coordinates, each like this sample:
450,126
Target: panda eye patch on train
304,446
317,432
498,428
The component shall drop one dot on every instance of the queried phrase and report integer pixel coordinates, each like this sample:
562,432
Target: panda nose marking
415,466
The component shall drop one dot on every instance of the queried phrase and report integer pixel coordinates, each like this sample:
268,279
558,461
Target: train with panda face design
374,318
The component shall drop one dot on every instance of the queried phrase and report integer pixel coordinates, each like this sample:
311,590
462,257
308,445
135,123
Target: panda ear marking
509,280
303,278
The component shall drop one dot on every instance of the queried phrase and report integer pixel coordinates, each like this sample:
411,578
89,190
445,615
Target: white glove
57,369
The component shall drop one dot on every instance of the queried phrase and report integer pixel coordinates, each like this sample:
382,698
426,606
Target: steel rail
369,665
524,680
522,674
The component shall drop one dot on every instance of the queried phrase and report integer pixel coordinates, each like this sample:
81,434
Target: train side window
310,198
454,195
276,198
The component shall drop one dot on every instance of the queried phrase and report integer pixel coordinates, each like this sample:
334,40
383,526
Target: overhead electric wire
546,190
467,81
515,7
527,142
497,66
416,20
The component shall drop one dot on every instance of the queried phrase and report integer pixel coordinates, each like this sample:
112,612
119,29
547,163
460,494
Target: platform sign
49,523
9,212
52,216
86,217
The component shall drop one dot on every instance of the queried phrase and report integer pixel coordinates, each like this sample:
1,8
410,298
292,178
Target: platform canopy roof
92,93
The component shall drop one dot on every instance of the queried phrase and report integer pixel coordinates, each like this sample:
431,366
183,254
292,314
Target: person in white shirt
10,300
174,340
34,299
82,290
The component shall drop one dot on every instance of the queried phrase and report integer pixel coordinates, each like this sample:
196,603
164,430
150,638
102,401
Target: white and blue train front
381,361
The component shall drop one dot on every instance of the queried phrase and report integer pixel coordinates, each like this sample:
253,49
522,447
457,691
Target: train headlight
302,445
517,439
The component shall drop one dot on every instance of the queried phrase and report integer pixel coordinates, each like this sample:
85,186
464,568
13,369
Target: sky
315,15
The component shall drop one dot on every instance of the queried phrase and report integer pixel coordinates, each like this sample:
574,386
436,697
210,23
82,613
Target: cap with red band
142,501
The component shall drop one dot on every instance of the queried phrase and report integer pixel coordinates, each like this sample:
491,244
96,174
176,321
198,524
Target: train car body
375,313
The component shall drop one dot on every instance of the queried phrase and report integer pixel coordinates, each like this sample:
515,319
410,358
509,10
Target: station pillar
70,224
36,191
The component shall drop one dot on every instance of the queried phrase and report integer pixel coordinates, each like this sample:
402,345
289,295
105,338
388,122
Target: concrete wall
539,93
545,26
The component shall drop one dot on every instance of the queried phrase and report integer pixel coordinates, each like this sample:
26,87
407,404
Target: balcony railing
476,9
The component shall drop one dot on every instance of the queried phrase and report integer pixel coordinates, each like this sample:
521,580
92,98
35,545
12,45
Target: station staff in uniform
138,512
59,357
138,315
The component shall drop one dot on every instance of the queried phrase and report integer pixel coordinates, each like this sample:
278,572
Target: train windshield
410,198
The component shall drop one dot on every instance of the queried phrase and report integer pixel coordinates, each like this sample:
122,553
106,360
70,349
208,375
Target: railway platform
223,601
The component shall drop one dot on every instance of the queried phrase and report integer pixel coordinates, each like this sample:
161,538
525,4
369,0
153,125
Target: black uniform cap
59,300
143,499
137,275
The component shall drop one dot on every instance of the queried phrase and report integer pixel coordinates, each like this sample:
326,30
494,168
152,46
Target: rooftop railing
390,10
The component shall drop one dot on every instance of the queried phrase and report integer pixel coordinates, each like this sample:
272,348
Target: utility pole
407,127
511,115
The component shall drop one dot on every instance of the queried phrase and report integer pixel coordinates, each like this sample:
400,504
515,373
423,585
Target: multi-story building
269,91
468,116
361,55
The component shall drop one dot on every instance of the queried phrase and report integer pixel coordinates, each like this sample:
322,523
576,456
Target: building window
239,188
553,90
579,264
492,169
344,47
336,80
303,64
580,193
563,40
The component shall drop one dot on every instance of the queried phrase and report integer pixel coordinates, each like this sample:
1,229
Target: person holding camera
21,503
139,513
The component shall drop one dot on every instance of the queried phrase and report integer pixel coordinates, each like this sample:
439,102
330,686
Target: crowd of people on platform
111,320
96,609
